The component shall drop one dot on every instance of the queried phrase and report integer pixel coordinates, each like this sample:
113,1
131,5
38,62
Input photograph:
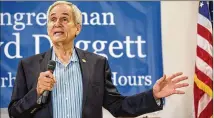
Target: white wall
179,20
179,31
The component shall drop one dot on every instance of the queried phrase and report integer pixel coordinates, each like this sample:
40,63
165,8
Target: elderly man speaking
81,83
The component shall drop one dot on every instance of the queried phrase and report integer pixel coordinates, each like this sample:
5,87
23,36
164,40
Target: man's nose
58,23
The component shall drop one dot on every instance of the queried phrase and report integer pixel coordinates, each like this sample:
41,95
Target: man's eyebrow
65,14
53,14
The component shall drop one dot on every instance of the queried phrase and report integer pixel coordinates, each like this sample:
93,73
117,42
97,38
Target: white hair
75,11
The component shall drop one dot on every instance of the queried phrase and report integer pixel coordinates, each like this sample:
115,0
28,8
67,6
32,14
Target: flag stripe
204,22
202,31
203,86
205,45
206,57
205,79
208,111
203,102
197,95
204,67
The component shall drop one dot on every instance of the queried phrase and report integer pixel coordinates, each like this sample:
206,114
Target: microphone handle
45,96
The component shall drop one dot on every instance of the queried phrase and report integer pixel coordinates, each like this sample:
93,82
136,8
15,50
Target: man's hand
167,86
46,81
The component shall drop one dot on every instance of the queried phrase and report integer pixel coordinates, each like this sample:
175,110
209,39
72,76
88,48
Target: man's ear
79,27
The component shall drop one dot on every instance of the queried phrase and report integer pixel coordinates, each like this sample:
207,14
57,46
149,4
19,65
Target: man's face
61,26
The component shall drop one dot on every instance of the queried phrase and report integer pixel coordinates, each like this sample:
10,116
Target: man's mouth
58,33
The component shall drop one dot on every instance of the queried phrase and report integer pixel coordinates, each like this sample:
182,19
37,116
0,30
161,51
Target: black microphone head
51,65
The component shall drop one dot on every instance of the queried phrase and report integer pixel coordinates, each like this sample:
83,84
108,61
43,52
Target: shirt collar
74,57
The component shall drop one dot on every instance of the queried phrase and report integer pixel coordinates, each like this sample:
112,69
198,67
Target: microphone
50,67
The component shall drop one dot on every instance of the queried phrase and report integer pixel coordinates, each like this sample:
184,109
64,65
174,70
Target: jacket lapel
84,65
43,67
45,59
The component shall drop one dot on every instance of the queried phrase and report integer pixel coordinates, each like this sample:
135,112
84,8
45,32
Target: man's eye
65,19
53,19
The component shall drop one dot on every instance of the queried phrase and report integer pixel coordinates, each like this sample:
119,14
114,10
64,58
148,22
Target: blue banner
127,33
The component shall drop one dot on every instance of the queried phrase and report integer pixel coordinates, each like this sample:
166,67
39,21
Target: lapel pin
83,60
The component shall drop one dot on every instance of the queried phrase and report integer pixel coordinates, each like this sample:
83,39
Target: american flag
203,79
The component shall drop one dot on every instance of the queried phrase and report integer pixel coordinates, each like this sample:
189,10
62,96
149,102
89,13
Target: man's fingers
48,74
49,88
181,85
47,84
48,80
54,79
180,79
161,79
178,92
42,88
174,75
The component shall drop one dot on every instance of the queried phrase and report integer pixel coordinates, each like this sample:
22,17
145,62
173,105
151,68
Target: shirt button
66,98
67,115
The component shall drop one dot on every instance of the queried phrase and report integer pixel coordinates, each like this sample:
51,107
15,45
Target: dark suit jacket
98,90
